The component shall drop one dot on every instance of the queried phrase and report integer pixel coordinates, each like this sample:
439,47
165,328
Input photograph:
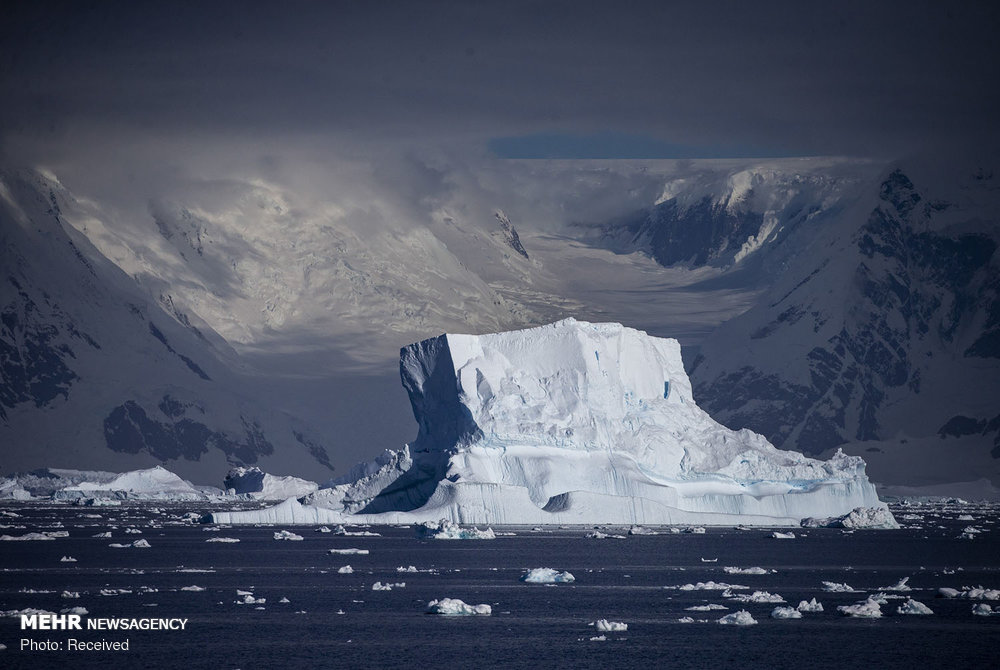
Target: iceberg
547,576
864,609
860,517
453,606
156,483
786,613
606,626
741,618
256,484
912,606
571,423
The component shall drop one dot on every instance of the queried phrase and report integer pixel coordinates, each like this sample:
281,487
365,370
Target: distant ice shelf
573,422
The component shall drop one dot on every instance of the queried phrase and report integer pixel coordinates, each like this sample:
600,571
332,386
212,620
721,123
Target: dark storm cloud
792,78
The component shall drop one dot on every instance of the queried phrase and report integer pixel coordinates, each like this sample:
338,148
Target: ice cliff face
575,422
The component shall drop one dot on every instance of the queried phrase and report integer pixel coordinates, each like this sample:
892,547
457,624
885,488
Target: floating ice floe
27,611
598,535
970,593
836,587
641,530
865,609
248,599
449,530
345,570
899,586
350,551
70,594
757,597
912,606
606,626
286,535
685,619
547,576
340,530
115,592
729,570
193,588
409,568
105,534
229,540
379,586
786,613
982,609
34,537
778,535
709,586
453,606
284,600
67,559
138,544
965,517
810,606
133,531
740,618
859,517
705,608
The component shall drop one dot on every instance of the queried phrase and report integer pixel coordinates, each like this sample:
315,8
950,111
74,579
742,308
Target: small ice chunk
740,618
379,586
705,608
286,535
810,606
710,586
912,606
284,600
67,559
103,535
836,587
350,551
685,619
547,576
641,530
345,570
449,530
193,587
778,535
606,626
982,609
70,594
730,570
865,609
224,539
409,568
785,613
757,597
454,606
898,586
250,600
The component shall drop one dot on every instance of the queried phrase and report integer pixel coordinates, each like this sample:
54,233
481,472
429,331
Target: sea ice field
658,596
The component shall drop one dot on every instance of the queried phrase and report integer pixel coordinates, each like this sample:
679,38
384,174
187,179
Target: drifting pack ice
572,422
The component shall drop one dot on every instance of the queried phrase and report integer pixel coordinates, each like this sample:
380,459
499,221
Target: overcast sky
612,79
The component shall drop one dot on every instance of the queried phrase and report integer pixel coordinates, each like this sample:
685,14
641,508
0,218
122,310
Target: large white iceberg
156,483
254,483
572,422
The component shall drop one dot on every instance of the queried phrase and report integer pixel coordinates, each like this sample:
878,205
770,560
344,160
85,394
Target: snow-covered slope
155,483
96,376
880,334
574,422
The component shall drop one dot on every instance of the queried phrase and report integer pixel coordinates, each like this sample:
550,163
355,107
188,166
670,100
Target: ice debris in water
740,618
709,586
606,626
229,540
379,586
250,600
757,597
705,608
67,559
193,587
785,613
598,535
138,544
982,609
835,587
729,570
859,517
349,551
641,530
345,570
409,568
449,530
778,535
547,576
865,609
974,593
810,606
899,586
912,606
286,535
454,606
70,594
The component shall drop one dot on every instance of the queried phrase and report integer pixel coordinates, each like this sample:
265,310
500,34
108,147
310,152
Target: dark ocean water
537,626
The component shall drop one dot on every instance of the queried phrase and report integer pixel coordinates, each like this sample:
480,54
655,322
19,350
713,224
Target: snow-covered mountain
879,333
95,376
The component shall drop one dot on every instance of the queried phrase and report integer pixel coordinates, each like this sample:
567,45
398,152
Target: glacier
571,423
